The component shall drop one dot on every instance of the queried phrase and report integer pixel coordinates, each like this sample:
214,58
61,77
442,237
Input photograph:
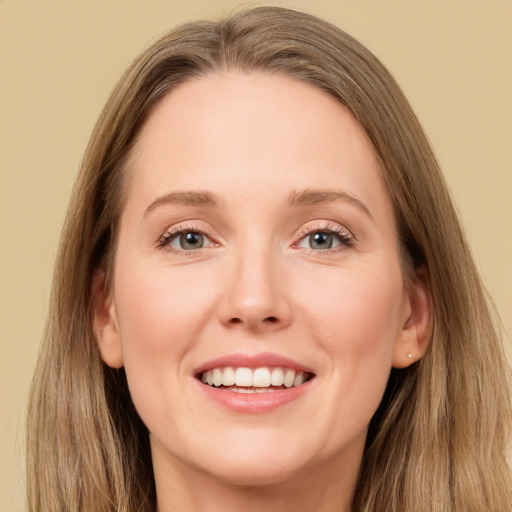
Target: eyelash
169,236
345,238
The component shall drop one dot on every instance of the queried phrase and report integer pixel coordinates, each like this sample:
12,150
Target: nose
256,295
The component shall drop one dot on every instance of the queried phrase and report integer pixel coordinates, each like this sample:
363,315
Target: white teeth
289,378
249,391
259,378
228,378
217,377
243,377
244,390
299,379
277,377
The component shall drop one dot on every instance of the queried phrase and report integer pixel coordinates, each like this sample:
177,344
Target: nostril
267,320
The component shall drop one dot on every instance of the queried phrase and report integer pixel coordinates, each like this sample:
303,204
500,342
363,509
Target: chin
254,460
265,474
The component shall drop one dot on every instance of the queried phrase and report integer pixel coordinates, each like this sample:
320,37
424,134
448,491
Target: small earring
409,356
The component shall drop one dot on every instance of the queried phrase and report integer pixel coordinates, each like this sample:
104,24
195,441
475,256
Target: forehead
254,131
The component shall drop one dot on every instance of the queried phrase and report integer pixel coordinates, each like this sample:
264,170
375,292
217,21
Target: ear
106,327
414,336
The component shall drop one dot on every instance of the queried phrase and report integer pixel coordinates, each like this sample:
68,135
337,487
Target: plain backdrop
59,60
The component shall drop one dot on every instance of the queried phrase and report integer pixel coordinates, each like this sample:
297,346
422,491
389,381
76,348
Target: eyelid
345,236
323,225
175,230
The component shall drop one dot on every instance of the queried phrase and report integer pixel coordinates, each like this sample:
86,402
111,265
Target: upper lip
252,361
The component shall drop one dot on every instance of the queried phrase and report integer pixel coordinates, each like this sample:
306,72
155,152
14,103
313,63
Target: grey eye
189,240
320,241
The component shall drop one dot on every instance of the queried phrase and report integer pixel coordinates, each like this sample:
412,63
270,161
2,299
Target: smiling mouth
253,380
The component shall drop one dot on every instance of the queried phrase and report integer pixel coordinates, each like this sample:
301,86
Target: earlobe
414,337
105,325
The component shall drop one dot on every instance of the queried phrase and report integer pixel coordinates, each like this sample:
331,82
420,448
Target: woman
263,297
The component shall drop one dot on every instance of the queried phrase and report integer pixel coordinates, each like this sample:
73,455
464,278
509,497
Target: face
258,303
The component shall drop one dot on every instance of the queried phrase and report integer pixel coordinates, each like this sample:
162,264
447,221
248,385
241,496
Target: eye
320,241
189,241
185,240
325,239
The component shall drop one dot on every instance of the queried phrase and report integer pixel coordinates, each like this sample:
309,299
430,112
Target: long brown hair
438,440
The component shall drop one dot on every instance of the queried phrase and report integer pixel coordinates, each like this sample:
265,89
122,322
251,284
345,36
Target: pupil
320,240
191,240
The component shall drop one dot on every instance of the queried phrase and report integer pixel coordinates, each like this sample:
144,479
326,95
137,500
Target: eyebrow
306,197
184,199
310,197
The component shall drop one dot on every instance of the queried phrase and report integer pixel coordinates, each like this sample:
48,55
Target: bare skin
257,232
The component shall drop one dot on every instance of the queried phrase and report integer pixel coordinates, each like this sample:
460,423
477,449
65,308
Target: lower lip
254,403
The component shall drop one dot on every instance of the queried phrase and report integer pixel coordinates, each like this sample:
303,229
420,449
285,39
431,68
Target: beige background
59,60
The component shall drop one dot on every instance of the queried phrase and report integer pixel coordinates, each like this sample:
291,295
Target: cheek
160,316
356,329
357,317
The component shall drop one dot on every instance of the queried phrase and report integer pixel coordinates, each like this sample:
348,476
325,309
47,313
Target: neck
187,489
